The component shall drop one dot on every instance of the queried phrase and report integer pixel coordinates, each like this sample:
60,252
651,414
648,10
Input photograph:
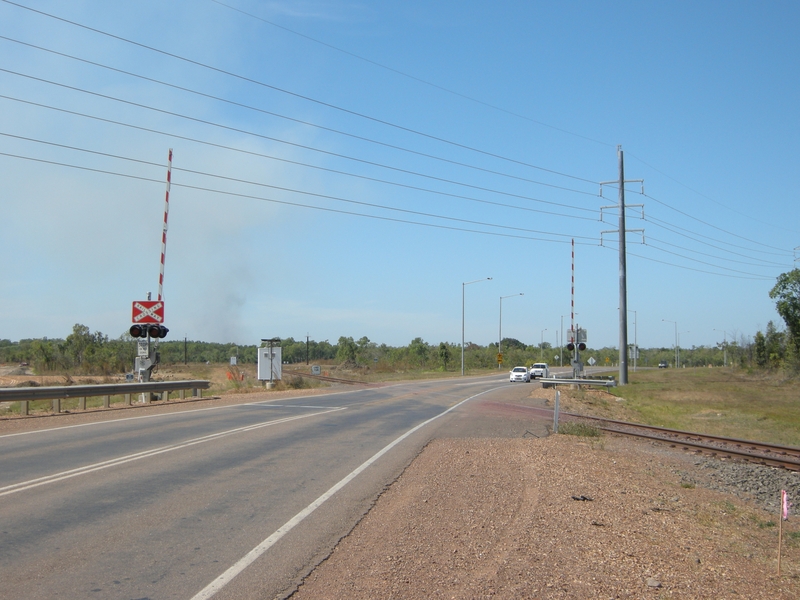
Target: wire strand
297,95
285,117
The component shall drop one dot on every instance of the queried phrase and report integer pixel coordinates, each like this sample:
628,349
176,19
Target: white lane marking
249,558
172,414
26,485
475,383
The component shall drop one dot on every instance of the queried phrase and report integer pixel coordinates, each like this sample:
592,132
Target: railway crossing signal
154,331
157,331
148,322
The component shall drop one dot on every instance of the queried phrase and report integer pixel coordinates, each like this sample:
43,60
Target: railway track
330,379
786,457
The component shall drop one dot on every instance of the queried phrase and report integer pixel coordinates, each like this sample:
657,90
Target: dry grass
724,402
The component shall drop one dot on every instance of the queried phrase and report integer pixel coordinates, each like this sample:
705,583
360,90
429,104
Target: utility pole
623,268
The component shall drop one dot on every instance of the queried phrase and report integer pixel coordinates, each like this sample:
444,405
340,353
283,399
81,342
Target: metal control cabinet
269,367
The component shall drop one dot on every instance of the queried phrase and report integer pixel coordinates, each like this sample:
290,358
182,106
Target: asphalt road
237,501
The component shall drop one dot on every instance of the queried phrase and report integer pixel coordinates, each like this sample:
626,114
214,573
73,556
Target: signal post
148,319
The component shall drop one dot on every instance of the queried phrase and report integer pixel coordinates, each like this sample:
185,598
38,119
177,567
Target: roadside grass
578,429
725,402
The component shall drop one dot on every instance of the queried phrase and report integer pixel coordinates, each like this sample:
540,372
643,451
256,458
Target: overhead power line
275,187
483,103
297,95
280,116
710,199
707,224
243,131
762,263
377,142
663,262
370,216
300,205
413,77
677,230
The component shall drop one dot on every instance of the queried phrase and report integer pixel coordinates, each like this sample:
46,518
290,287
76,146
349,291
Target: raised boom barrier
81,392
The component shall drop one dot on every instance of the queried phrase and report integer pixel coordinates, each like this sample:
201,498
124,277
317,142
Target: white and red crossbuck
148,311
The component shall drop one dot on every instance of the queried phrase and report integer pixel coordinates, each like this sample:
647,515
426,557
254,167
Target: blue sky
411,147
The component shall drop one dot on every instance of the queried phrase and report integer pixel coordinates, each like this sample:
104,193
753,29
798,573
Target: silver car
519,374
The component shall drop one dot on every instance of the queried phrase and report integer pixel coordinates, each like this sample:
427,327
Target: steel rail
787,457
328,378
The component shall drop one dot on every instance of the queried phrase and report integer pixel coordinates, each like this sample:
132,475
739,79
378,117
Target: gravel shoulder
499,518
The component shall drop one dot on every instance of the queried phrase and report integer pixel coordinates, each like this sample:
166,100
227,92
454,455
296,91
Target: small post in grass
783,516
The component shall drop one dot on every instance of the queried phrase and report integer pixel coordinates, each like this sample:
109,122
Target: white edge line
33,483
170,414
249,558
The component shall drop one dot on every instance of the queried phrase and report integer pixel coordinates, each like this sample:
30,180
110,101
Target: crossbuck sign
148,311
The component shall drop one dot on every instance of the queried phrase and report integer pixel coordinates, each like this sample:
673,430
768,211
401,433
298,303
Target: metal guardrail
24,395
552,381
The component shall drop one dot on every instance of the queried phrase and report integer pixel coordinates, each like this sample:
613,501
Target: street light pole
500,335
541,346
463,285
676,340
724,346
561,347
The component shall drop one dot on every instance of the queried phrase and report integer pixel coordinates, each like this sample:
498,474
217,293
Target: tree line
84,352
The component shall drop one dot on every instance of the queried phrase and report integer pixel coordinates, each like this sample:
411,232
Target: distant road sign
148,311
591,361
499,359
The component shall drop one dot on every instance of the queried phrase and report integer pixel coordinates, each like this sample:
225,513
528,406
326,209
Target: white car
539,370
519,374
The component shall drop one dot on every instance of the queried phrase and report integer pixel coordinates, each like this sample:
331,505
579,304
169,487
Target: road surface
236,501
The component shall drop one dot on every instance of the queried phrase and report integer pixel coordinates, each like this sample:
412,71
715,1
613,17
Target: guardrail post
82,403
56,405
182,394
555,412
106,401
127,399
23,407
197,393
165,395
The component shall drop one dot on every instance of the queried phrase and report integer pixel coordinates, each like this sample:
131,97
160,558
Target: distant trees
444,355
94,353
786,294
346,351
83,352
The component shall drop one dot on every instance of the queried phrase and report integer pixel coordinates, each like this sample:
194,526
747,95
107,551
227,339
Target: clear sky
343,168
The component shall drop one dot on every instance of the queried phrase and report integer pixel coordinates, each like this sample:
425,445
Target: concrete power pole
623,278
623,268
